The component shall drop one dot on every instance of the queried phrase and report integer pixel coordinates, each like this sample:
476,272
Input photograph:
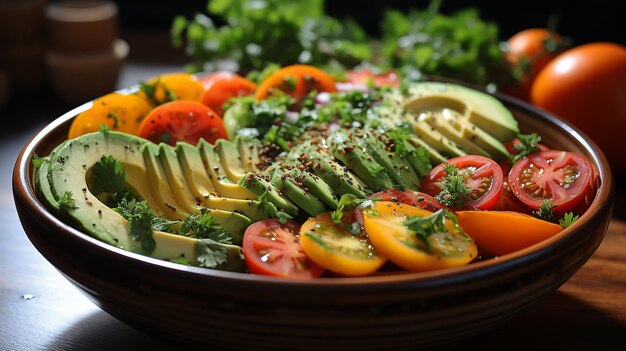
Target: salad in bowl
301,175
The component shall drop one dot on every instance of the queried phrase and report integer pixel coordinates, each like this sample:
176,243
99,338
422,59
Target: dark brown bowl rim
603,202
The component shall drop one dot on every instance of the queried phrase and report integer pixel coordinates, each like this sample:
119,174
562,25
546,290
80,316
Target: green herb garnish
546,211
67,202
527,145
140,220
210,253
568,219
454,192
203,226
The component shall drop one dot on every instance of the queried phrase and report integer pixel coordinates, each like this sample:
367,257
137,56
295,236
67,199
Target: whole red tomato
586,85
530,50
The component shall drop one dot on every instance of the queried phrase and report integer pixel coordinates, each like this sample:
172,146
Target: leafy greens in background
259,33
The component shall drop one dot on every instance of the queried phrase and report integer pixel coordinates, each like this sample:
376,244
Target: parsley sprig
546,211
424,227
528,143
454,192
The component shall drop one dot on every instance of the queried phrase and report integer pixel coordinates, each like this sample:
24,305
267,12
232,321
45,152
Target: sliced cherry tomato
509,202
561,177
366,77
182,121
220,90
503,232
272,248
483,176
116,111
385,226
171,87
333,247
297,81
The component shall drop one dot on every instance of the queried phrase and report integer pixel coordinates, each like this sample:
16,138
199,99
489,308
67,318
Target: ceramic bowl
224,310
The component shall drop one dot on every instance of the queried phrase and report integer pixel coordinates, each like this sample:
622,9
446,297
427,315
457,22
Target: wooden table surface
41,310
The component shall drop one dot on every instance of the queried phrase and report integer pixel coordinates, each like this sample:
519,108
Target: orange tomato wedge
384,224
333,247
116,111
297,81
174,86
222,89
503,232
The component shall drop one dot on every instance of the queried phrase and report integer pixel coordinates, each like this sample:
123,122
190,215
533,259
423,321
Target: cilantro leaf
37,161
568,219
108,176
67,202
203,226
346,203
454,192
546,211
140,220
528,143
210,253
423,227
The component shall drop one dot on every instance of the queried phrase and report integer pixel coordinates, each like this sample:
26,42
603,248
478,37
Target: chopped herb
568,219
454,192
203,226
527,145
108,176
210,253
116,118
423,227
182,260
38,161
169,95
347,202
149,88
104,129
546,211
67,203
140,220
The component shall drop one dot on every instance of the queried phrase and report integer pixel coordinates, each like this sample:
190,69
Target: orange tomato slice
384,224
171,87
116,111
221,89
503,232
333,247
296,81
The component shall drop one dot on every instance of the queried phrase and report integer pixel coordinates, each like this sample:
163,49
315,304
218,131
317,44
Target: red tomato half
182,121
272,248
559,176
483,176
366,77
222,87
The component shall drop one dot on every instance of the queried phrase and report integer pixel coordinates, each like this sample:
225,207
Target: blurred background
45,53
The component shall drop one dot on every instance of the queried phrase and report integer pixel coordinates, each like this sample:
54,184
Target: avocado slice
474,121
249,150
192,199
231,160
193,168
291,183
67,176
476,107
213,166
157,179
343,146
338,177
397,165
262,185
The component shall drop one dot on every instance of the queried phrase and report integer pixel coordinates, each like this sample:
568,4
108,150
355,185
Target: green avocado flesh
226,180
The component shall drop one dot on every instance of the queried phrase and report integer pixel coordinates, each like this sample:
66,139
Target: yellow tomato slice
333,247
172,86
502,232
116,111
384,224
